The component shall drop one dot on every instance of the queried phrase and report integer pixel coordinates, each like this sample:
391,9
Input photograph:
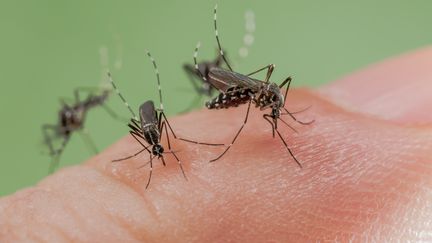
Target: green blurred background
50,47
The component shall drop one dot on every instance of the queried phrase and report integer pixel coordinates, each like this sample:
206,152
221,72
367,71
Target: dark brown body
71,118
236,89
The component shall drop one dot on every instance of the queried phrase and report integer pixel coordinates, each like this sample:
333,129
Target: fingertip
396,89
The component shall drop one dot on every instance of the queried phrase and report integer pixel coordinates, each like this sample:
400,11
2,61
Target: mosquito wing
148,113
223,79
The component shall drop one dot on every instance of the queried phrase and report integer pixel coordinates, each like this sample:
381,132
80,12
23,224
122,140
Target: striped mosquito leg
150,172
121,96
217,38
180,164
195,55
158,79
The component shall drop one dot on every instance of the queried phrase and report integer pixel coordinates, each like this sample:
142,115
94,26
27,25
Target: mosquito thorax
269,96
71,118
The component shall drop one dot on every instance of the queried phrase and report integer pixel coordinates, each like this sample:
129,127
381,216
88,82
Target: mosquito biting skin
71,117
236,89
150,126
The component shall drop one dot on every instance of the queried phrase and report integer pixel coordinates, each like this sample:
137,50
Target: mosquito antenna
121,96
158,79
195,55
217,38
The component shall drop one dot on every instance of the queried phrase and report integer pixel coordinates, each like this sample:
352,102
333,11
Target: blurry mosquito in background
149,127
72,116
236,89
202,86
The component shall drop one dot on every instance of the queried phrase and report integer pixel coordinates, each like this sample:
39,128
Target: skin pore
367,174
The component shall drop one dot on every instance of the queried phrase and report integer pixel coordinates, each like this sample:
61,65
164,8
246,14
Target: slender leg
289,150
217,39
148,162
135,123
163,127
136,135
191,72
89,141
188,140
79,90
196,66
296,112
266,117
150,172
269,68
130,156
287,81
284,122
296,120
180,164
47,137
163,160
159,120
57,154
238,132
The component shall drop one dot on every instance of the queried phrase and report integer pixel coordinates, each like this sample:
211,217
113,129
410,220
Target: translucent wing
223,79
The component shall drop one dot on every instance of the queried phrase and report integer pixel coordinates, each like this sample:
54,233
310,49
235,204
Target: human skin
366,176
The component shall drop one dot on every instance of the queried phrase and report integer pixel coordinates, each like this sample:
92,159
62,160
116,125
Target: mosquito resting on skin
201,86
71,117
236,89
149,127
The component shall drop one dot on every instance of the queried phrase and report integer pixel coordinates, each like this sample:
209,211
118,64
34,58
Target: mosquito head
275,97
275,113
157,150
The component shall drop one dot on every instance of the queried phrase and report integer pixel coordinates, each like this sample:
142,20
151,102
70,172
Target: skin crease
366,177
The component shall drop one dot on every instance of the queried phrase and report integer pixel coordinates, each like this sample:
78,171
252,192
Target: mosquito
71,119
202,86
236,89
150,126
72,116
